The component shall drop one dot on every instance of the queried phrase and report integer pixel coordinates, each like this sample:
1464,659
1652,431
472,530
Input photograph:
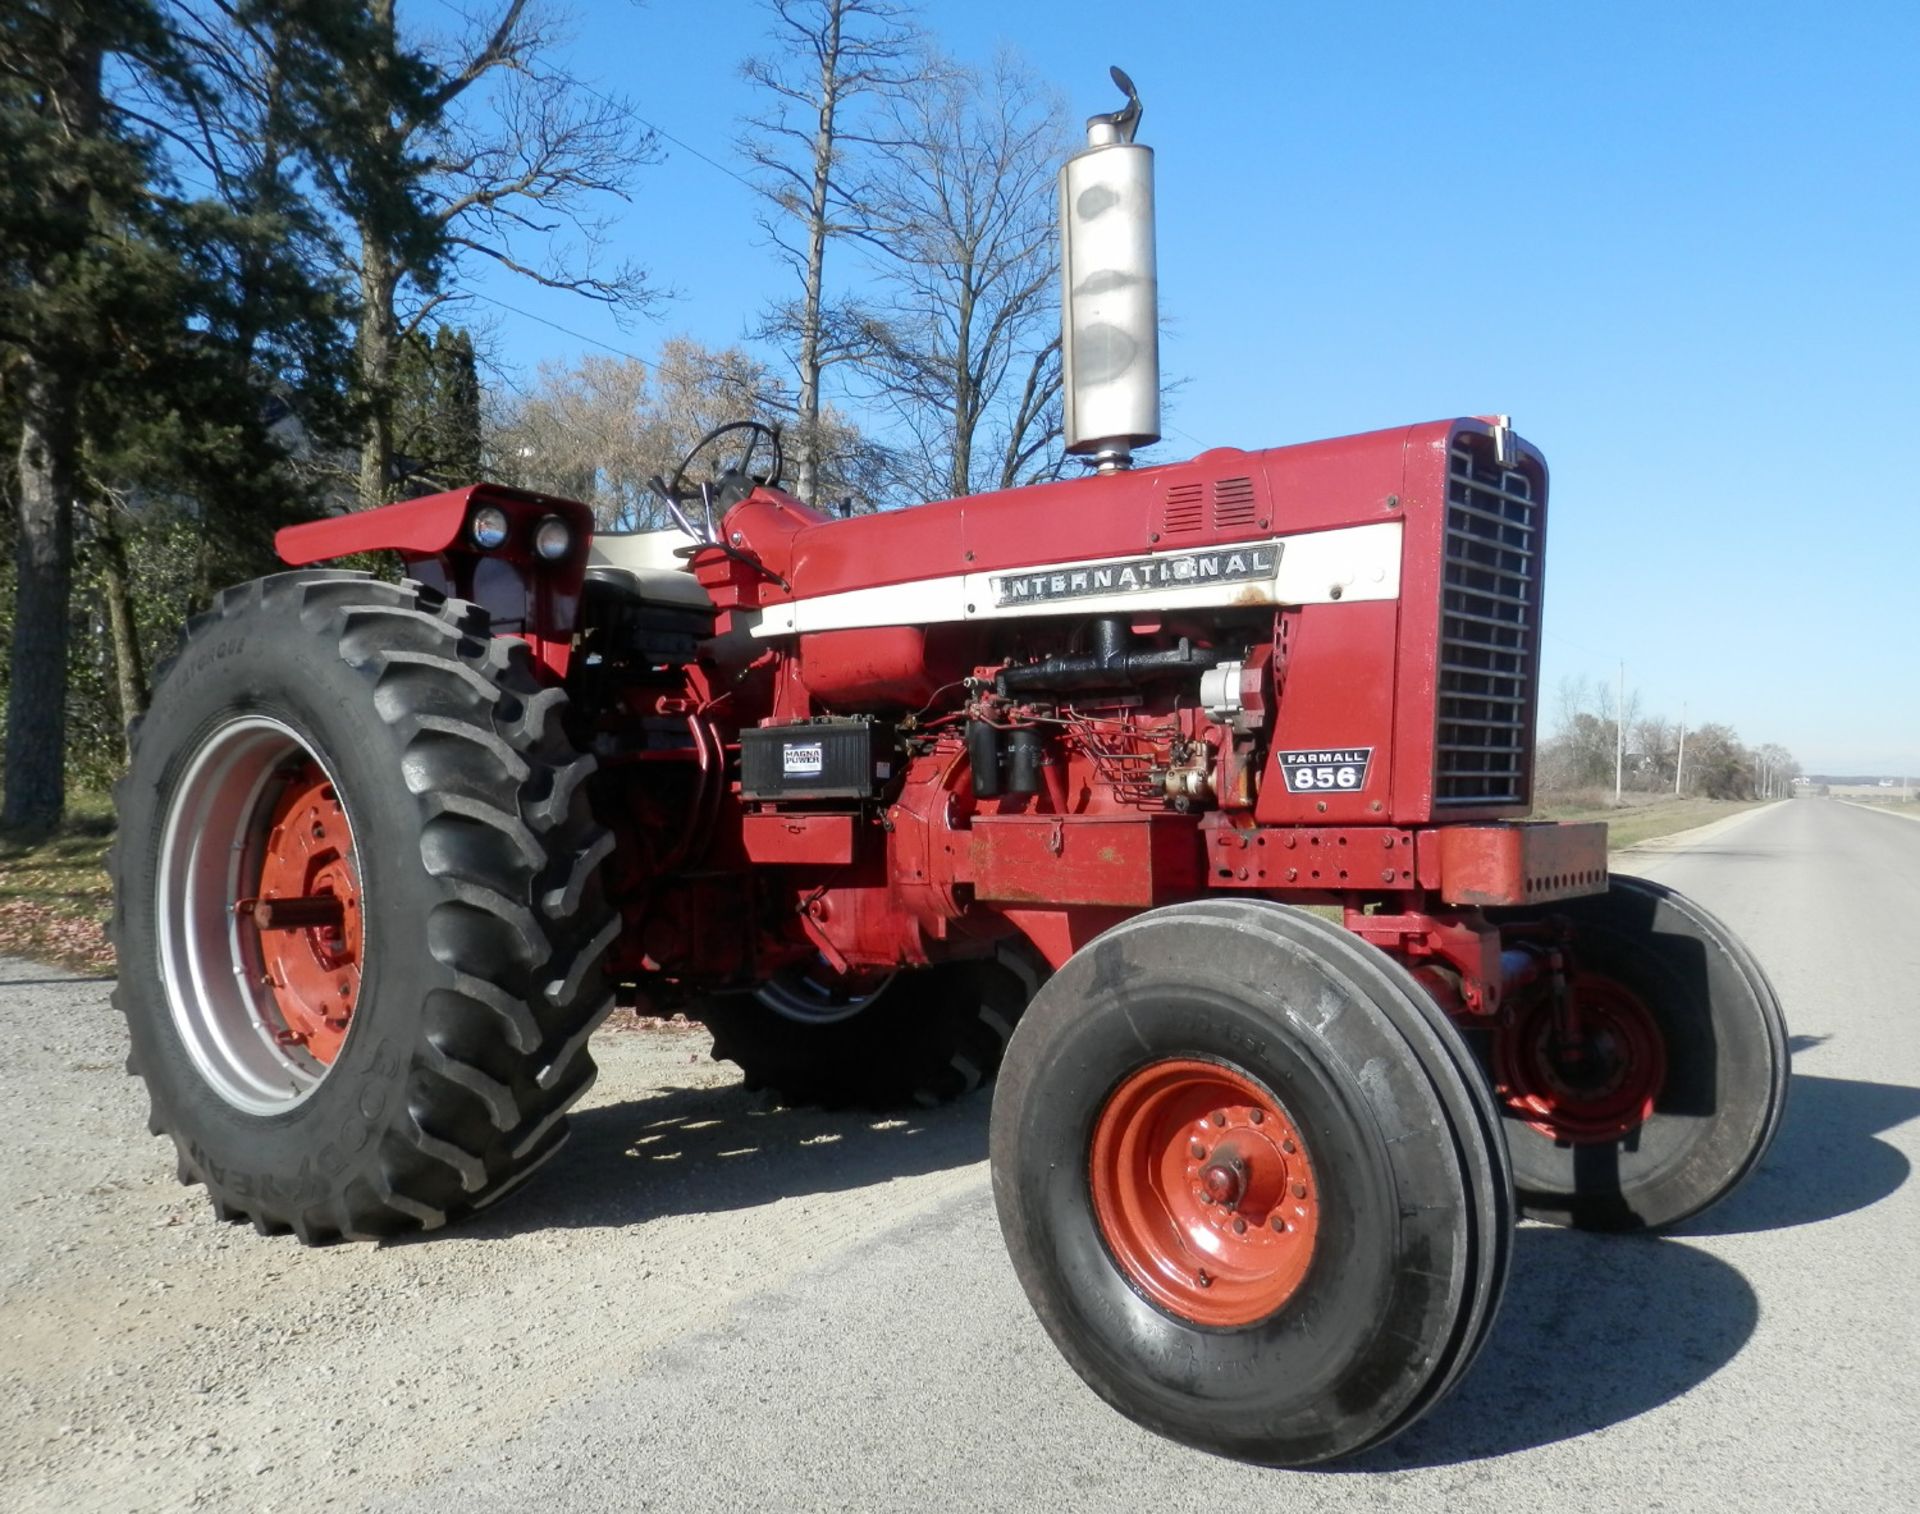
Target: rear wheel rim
262,1005
1203,1192
1597,1087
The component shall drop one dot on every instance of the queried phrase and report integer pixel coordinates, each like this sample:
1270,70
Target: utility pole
1620,737
1680,762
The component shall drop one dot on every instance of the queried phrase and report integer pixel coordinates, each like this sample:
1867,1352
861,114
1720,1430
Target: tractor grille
1489,631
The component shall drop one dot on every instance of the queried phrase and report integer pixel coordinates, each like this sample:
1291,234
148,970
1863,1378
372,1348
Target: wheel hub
1203,1191
308,914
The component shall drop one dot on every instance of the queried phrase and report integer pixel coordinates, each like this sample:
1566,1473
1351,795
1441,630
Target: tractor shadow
1598,1329
720,1149
1595,1330
1826,1161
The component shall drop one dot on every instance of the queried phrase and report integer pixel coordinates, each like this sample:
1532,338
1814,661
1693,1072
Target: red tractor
1186,797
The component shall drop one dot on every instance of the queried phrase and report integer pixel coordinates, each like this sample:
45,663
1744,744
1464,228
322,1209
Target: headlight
552,540
488,527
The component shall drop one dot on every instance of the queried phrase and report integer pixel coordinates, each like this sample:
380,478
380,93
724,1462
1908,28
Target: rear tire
1716,1102
923,1038
475,854
1389,1169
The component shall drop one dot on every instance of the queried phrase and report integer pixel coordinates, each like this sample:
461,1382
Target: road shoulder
1881,809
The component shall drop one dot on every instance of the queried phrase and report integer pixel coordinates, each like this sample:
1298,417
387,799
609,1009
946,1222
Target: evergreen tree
436,413
71,208
458,433
153,346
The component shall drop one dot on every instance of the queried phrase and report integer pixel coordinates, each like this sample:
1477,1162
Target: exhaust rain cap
1110,293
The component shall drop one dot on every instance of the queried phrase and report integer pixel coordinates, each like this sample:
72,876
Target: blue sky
1679,243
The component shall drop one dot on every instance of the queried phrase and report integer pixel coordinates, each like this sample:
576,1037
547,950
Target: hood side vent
1234,506
1180,511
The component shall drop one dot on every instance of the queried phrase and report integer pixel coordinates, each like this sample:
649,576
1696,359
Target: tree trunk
129,664
37,699
808,472
965,416
49,470
1029,433
376,354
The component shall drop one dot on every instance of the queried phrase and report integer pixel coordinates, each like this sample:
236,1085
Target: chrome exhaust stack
1109,291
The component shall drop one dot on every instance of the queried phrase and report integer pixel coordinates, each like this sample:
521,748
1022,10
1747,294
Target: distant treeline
1658,755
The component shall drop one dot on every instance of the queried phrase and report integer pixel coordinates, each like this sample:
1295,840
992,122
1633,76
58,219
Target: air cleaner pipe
1110,665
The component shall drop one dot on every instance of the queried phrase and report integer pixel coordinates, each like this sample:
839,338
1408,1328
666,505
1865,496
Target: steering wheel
730,480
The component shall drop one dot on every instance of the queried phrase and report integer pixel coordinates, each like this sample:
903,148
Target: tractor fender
417,528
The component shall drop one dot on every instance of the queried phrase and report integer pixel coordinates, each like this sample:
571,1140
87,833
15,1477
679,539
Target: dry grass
1642,818
54,894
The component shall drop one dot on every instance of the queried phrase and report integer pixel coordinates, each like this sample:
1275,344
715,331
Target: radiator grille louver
1489,630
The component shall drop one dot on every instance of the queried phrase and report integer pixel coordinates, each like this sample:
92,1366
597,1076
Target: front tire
356,908
1251,1182
1679,1085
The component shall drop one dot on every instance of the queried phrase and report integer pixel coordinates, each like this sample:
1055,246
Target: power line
578,336
1568,642
626,109
661,131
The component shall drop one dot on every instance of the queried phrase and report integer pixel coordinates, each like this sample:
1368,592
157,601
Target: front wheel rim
1596,1087
1203,1192
259,916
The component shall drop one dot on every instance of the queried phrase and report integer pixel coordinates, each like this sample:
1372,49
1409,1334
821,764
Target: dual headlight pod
489,528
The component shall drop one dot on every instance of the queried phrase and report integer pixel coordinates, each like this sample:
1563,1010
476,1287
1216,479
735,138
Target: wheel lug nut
1288,1147
1239,1227
1278,1224
1299,1190
1258,1116
1205,1197
1219,1117
1197,1150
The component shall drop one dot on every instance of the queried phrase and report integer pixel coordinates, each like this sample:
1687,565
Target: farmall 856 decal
1323,769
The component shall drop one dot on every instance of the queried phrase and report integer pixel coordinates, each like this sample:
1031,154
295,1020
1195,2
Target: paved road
711,1304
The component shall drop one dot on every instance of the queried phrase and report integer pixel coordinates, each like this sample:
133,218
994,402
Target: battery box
816,759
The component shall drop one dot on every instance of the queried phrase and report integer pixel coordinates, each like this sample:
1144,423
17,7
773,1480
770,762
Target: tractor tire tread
501,1049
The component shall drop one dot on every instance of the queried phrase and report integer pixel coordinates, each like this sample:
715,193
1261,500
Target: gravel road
709,1303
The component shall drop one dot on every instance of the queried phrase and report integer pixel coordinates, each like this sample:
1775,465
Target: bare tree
598,430
1776,770
1655,745
437,153
964,226
833,60
1580,753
